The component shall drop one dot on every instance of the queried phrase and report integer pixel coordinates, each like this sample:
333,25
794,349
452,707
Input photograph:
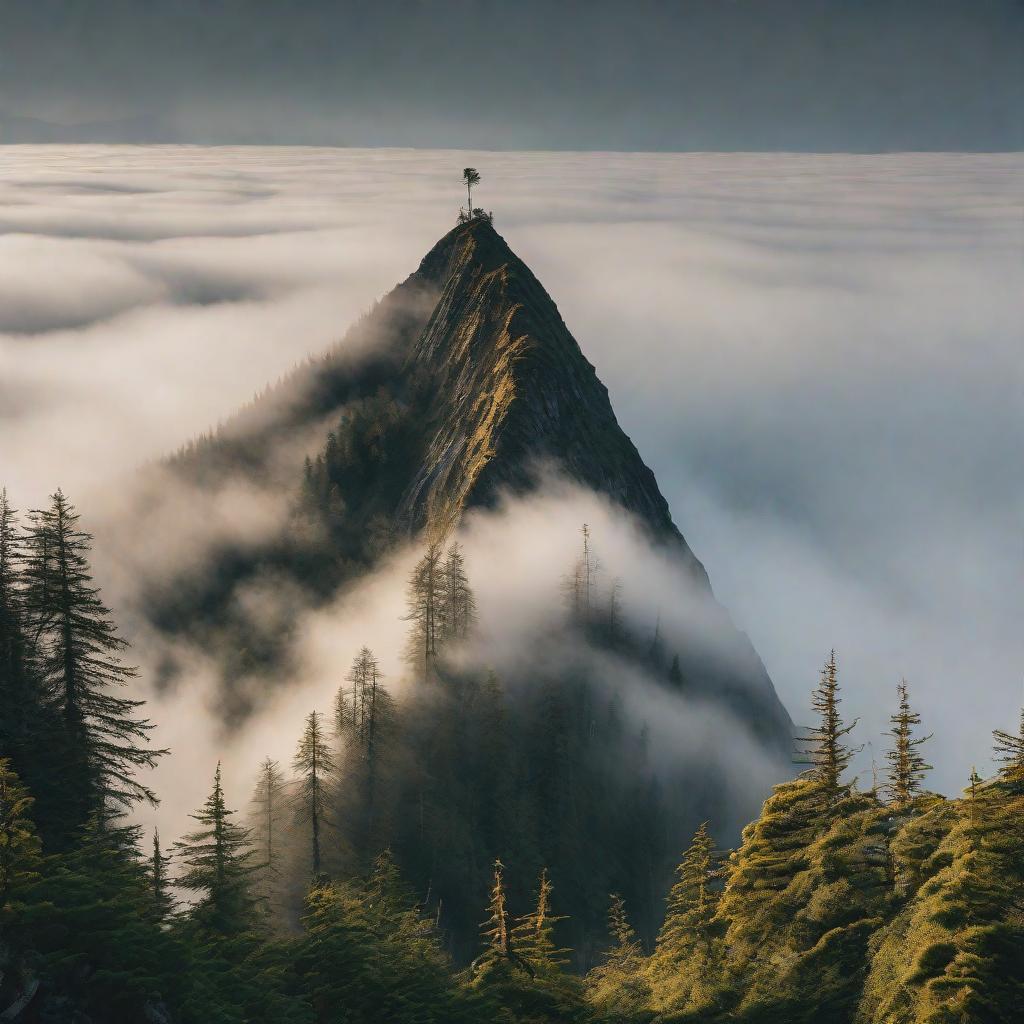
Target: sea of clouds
819,356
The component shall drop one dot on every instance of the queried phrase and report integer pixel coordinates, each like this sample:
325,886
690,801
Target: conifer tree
616,987
691,900
533,934
163,901
906,765
495,930
314,764
675,674
268,828
218,865
824,749
19,698
1009,752
425,601
459,603
104,740
19,847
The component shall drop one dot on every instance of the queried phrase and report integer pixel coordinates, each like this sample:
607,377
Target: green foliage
218,863
824,749
314,765
367,955
19,845
687,951
906,765
617,989
103,743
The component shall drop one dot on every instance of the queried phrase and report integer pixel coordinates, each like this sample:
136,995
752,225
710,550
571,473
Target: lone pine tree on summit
471,176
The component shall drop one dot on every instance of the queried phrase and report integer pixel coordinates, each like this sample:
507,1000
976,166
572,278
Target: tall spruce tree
824,749
163,901
218,866
104,741
683,955
314,764
617,988
906,765
425,601
495,931
691,900
459,609
533,933
268,831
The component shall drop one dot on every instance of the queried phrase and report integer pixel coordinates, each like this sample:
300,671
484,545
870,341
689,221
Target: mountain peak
511,392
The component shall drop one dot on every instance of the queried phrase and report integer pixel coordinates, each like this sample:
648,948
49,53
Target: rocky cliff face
510,391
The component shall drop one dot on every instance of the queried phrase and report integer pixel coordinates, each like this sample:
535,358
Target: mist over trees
353,887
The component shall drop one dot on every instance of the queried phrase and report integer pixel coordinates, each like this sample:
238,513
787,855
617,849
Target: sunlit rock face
509,392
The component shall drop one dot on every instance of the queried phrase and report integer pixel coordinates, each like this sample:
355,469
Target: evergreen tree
103,742
495,931
675,674
906,765
425,600
691,901
1009,752
218,866
19,696
314,764
616,988
459,604
533,934
163,901
824,749
19,847
683,954
268,831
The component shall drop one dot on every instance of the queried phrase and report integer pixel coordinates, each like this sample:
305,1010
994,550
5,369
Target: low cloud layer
817,355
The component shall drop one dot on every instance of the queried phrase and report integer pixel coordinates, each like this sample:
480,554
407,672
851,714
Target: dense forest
429,858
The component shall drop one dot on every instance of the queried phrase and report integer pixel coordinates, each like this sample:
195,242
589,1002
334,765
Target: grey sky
545,74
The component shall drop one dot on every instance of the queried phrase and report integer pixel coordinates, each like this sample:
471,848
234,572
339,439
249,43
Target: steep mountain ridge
511,390
461,385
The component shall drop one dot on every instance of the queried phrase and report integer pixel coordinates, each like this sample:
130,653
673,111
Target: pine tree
163,901
103,743
425,600
906,765
314,764
495,930
19,847
268,828
532,936
218,865
824,749
360,716
459,603
675,674
616,987
691,901
19,696
1009,752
